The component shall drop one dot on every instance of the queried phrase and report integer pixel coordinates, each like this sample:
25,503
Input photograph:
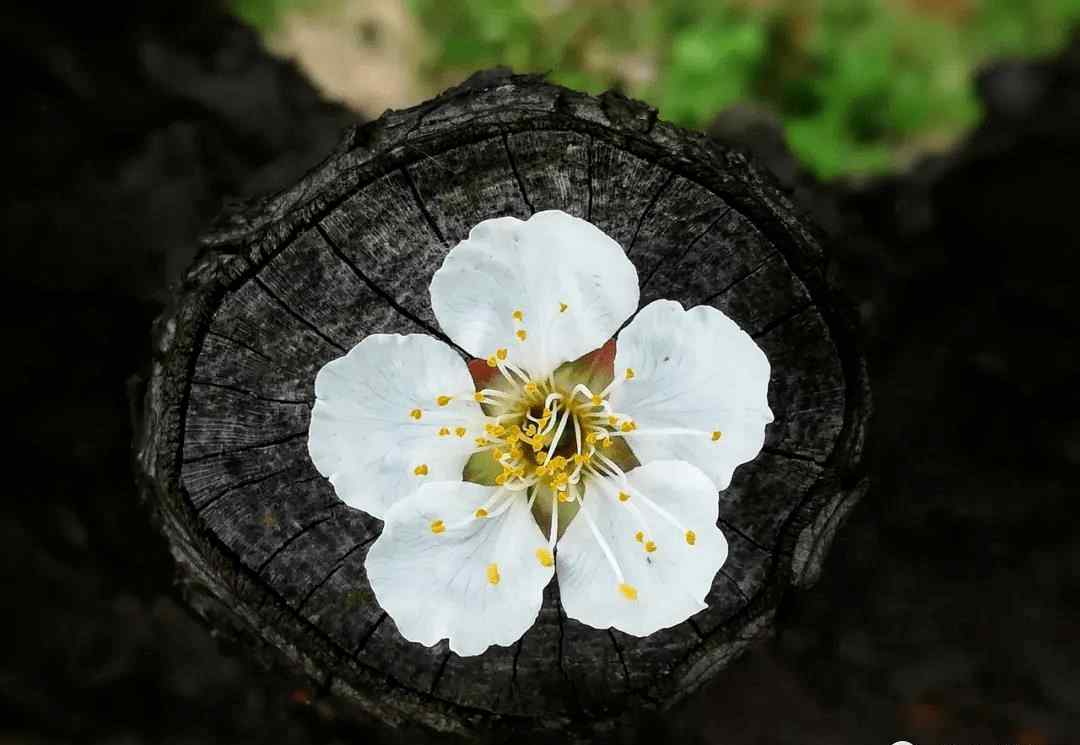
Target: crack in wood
589,177
439,672
517,174
745,537
769,258
244,448
368,634
386,296
648,209
280,365
423,207
795,312
689,246
738,589
780,452
202,509
291,539
334,570
252,394
697,629
288,309
622,660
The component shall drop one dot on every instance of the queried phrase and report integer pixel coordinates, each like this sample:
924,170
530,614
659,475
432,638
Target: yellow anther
639,536
628,591
497,453
650,546
482,442
444,431
500,353
493,573
481,512
541,470
563,307
416,414
582,459
437,526
516,452
717,435
543,555
421,470
541,458
495,430
591,438
492,362
597,400
628,426
691,537
564,496
607,443
502,477
478,397
460,431
521,334
519,315
532,389
623,496
630,373
444,400
558,462
612,420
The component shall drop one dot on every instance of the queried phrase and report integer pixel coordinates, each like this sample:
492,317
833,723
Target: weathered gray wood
270,555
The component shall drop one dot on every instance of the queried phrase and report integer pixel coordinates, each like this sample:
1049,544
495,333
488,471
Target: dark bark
269,554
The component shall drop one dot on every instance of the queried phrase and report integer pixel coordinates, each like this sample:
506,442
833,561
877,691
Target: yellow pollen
541,458
437,526
717,435
691,537
650,546
532,389
518,315
607,443
502,477
444,431
639,536
493,573
590,438
492,362
459,431
543,555
521,334
478,397
629,373
500,353
421,470
563,307
596,400
628,426
628,591
564,496
497,453
444,400
481,512
482,442
623,496
416,414
612,420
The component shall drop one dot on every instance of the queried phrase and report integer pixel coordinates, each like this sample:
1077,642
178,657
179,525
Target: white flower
542,460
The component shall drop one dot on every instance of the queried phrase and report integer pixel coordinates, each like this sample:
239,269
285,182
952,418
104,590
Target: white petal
694,369
362,436
672,581
436,586
536,267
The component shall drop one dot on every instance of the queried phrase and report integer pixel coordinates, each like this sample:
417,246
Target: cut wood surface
271,557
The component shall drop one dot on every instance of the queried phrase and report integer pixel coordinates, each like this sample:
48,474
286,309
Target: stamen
437,526
543,555
563,307
480,513
518,315
444,431
603,546
639,536
444,400
623,496
421,470
493,573
717,435
628,591
650,546
416,414
460,431
691,537
521,334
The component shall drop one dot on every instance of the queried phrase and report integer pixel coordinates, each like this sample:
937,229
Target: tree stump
268,553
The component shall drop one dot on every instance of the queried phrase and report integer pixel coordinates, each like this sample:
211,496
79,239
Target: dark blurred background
949,610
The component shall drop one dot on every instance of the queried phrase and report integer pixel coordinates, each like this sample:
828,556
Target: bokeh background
937,143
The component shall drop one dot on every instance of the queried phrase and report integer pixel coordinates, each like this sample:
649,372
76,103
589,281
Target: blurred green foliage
860,85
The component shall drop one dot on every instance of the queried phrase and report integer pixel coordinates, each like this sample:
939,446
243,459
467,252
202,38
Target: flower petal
364,435
440,572
669,582
554,279
693,369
